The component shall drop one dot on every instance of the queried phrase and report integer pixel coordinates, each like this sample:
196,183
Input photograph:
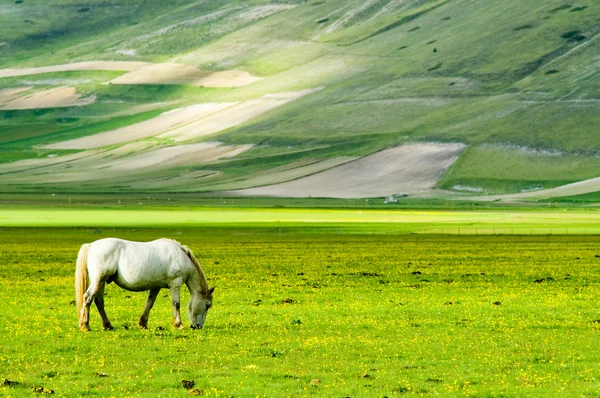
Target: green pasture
302,314
521,170
535,222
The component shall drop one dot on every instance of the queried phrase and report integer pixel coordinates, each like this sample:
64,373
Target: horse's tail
82,279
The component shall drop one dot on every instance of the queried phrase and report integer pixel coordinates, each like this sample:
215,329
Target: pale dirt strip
234,115
576,188
53,98
9,94
187,75
182,181
148,73
407,169
75,66
193,154
186,123
81,159
148,128
26,165
126,162
227,78
128,109
281,174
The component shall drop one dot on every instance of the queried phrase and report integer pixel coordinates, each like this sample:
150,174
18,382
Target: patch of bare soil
9,94
228,78
407,169
127,162
52,98
88,65
186,123
177,156
285,173
170,73
576,188
164,122
233,115
147,73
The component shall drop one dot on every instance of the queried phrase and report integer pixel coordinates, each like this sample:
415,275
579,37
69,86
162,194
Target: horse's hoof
109,327
84,328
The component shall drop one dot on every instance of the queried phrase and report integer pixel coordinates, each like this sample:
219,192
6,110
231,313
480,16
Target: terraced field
294,83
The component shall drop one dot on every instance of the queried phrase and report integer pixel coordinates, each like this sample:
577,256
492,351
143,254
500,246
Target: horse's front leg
175,302
149,303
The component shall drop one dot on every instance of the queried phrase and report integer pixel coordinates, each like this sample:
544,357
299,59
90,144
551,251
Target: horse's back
137,265
104,254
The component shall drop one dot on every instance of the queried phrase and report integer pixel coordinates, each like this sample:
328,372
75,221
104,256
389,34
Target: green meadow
313,314
435,295
467,222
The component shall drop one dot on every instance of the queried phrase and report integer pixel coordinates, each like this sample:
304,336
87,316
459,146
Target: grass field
379,221
329,315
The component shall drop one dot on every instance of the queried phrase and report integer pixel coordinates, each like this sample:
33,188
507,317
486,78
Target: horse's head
198,307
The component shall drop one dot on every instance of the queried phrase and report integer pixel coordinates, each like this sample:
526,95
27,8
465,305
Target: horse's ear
211,290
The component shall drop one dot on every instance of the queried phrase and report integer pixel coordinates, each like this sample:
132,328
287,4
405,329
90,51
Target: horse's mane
203,280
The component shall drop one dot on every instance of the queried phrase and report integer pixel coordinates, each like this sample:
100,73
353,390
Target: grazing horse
139,266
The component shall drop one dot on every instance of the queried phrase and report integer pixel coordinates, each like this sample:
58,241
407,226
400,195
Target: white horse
139,266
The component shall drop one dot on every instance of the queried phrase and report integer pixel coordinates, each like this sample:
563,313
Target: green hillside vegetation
493,169
517,82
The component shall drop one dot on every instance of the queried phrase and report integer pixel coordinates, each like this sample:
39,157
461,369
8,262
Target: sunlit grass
301,314
538,222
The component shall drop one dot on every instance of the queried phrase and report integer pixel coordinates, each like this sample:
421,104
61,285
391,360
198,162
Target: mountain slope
297,83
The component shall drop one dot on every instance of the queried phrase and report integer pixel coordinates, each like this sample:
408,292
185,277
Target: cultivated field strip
166,121
52,98
128,161
407,169
187,75
233,115
75,66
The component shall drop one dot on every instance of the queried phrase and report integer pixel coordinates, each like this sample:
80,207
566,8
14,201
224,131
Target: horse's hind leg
99,300
149,303
88,297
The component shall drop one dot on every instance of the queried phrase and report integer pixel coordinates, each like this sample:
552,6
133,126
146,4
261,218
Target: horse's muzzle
196,327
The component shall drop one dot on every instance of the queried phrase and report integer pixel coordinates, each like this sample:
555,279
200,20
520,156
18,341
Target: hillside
301,98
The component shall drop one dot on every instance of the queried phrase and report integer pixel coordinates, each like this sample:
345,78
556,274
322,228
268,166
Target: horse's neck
197,283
